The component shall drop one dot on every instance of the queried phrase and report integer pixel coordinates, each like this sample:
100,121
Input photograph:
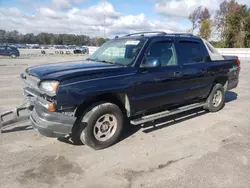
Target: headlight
49,86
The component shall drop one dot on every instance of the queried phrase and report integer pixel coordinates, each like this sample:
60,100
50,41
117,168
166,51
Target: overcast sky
99,17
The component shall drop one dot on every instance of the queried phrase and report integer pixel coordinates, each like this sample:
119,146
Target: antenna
104,18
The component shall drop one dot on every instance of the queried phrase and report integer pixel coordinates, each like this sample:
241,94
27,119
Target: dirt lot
205,150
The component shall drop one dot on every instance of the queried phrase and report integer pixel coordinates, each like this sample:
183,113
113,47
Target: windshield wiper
110,62
106,61
89,59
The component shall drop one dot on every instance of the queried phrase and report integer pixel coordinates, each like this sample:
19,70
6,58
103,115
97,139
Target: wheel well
120,99
222,80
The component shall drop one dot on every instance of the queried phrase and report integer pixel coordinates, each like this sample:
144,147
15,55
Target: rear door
162,85
194,58
9,50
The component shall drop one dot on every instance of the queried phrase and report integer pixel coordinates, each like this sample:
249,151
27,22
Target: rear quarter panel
227,69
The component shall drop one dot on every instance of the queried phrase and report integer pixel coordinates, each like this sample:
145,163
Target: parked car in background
9,51
85,50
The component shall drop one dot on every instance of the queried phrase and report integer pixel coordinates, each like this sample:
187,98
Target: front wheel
216,99
104,124
13,55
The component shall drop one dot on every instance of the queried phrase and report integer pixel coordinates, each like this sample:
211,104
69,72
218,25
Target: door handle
177,74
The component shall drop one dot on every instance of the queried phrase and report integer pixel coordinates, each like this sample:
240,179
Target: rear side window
192,52
2,47
213,52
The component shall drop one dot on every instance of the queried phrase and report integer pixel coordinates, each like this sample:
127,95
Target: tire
101,126
216,99
13,55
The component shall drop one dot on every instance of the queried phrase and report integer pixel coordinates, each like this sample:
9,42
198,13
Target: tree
204,15
2,35
49,38
220,20
200,18
194,18
246,28
100,41
231,22
205,30
234,30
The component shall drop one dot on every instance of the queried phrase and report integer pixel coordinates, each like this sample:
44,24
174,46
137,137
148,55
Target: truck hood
61,71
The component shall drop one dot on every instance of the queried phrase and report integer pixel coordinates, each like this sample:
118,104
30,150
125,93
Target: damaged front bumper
18,114
47,123
51,124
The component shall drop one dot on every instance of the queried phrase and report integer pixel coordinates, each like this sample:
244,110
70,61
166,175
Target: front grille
30,81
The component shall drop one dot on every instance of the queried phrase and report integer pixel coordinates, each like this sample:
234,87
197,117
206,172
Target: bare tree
204,15
220,19
194,18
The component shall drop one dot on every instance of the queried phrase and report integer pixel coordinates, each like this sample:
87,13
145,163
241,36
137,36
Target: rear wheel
216,99
103,126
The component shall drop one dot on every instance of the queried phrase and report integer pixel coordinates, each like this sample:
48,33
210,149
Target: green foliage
205,30
231,23
49,39
218,44
247,30
234,29
200,18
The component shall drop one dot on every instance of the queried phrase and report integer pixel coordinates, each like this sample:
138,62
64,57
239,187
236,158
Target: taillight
238,62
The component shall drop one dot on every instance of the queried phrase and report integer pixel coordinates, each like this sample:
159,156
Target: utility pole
104,19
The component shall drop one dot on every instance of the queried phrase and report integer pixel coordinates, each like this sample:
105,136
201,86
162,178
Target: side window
9,48
192,52
165,51
2,47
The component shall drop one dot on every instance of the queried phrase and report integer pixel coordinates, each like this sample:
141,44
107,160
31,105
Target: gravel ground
195,149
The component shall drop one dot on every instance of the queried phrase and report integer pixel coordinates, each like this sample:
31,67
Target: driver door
162,85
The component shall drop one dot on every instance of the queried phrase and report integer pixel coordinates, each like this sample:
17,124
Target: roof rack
181,34
160,33
146,32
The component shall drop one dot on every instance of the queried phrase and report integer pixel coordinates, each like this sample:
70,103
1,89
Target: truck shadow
163,122
230,96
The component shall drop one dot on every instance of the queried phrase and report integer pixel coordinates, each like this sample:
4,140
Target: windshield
118,51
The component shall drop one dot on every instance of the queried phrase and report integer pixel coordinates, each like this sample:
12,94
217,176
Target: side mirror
151,62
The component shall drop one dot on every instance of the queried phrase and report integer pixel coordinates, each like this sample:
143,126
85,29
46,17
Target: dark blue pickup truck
140,77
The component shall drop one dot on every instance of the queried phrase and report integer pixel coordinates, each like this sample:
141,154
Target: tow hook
19,114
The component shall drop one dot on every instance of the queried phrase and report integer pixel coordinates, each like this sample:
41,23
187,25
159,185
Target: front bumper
51,124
